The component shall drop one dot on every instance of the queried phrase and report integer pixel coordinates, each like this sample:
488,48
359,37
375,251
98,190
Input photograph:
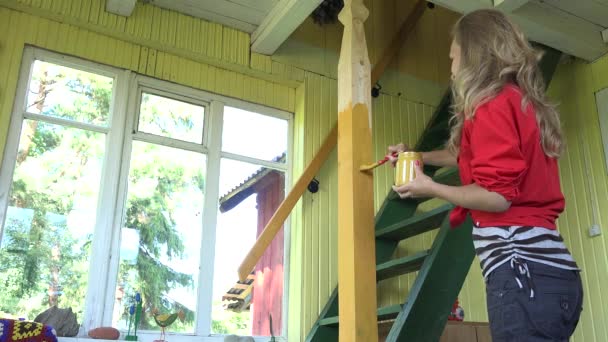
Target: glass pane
69,93
254,135
171,118
250,195
161,236
46,244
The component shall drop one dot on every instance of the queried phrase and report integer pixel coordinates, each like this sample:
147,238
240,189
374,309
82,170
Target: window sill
172,338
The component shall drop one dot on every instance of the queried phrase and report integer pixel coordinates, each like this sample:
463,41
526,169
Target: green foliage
58,167
230,322
42,141
156,189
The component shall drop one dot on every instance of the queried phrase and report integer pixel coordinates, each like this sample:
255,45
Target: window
122,184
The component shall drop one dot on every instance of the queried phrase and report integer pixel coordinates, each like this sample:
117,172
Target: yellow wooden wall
21,28
419,72
395,120
584,181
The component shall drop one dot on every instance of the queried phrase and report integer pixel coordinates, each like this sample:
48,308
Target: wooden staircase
441,270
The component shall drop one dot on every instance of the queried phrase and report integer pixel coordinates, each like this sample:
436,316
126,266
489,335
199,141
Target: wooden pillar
356,247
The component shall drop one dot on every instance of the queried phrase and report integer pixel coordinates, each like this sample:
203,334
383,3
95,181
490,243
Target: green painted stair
442,269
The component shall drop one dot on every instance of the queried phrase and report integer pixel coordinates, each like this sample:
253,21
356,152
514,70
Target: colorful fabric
25,331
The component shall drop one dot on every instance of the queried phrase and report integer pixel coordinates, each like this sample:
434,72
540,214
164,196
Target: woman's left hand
421,186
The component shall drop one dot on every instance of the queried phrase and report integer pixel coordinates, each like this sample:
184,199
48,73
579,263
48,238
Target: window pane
254,135
69,93
171,118
250,195
161,235
46,244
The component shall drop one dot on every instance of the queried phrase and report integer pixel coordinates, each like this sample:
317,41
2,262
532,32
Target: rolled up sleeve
498,164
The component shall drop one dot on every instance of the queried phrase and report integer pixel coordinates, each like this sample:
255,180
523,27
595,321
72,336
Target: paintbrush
369,167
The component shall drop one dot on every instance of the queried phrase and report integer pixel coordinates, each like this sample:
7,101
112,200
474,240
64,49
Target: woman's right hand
395,150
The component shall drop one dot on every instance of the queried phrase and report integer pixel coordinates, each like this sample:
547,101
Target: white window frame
127,90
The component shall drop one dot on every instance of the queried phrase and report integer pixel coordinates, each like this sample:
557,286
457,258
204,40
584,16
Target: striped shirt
496,245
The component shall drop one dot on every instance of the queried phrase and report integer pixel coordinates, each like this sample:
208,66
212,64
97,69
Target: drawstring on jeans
520,268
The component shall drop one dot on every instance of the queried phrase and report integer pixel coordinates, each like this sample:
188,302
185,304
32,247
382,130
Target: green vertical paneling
394,119
584,180
12,42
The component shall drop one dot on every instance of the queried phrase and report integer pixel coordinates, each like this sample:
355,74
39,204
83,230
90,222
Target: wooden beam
509,5
278,25
356,243
398,40
546,24
593,11
560,30
276,221
121,7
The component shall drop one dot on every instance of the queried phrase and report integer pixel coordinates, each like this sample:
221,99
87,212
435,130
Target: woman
505,140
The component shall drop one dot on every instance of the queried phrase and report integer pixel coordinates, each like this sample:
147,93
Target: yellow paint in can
404,170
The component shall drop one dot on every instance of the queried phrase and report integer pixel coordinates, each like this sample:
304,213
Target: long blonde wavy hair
494,52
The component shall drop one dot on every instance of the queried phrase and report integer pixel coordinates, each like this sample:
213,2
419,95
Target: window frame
128,87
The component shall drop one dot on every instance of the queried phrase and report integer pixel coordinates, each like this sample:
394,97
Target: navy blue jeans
544,307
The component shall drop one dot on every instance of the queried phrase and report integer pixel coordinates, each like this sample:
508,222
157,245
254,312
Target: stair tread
448,177
415,225
401,266
384,313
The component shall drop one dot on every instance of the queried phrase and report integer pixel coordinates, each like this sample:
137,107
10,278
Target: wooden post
356,248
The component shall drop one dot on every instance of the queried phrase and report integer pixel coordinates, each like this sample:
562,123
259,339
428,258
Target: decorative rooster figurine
165,320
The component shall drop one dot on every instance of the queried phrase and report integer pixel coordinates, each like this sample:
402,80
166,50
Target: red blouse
500,150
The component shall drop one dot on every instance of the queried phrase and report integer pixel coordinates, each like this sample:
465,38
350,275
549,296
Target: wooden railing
279,217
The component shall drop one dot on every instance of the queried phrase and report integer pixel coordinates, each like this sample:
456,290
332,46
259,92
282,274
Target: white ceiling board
547,24
561,30
280,23
121,7
262,5
509,5
243,15
591,10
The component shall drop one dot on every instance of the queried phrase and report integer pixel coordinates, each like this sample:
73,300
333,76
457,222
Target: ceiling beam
509,5
278,25
561,30
121,7
545,24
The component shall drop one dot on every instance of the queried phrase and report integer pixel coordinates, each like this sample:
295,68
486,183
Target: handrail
276,221
279,217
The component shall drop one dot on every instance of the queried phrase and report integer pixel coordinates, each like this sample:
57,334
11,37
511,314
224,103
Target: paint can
404,169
